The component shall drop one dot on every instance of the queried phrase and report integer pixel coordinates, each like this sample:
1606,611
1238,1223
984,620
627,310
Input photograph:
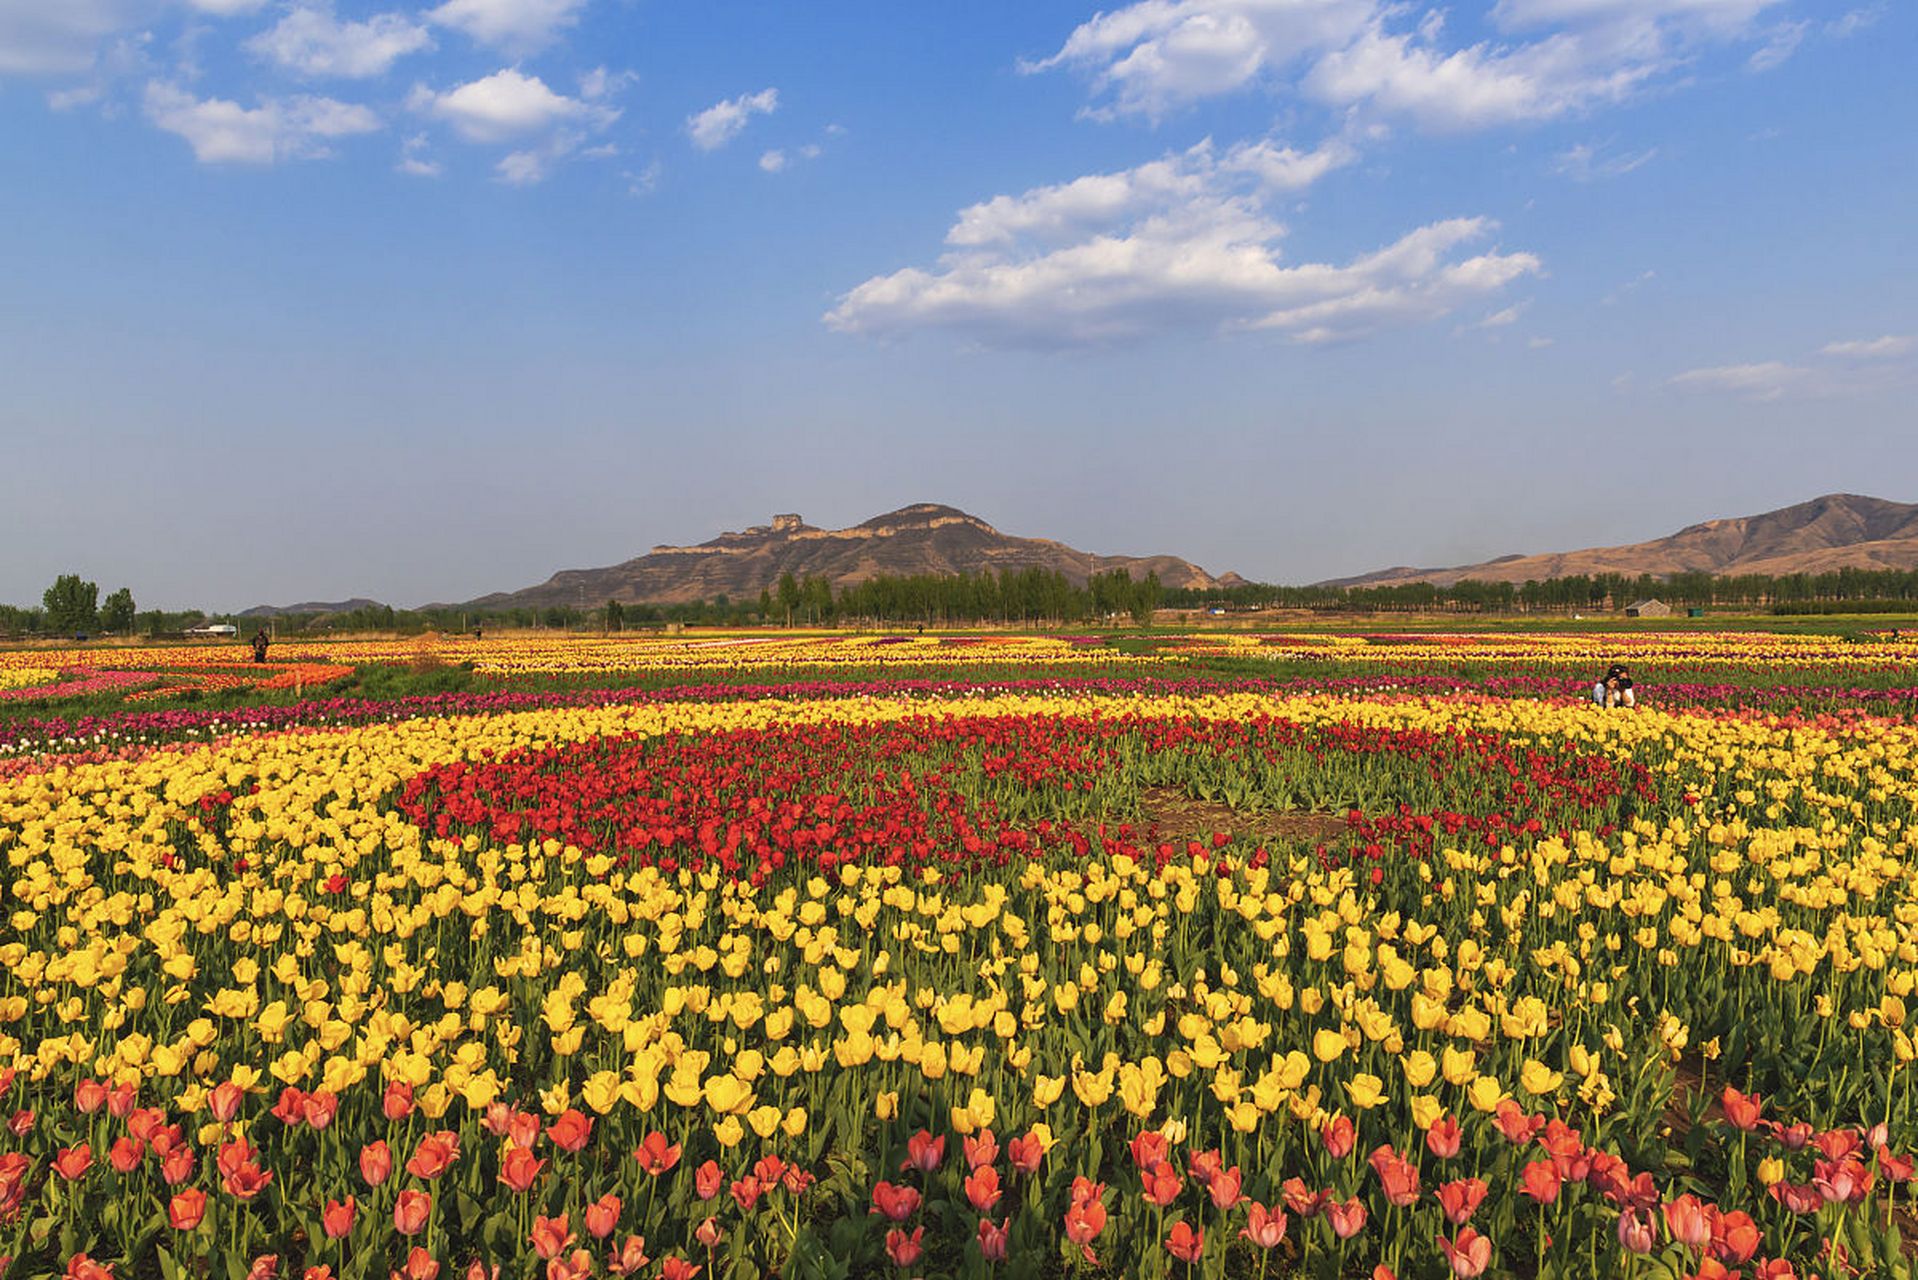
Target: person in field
1615,689
260,641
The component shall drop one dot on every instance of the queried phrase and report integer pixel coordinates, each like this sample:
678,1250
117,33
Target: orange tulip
411,1210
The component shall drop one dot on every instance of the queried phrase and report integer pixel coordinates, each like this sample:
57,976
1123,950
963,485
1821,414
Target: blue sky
308,299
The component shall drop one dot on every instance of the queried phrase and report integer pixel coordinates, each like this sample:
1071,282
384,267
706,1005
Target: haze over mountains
925,538
1837,531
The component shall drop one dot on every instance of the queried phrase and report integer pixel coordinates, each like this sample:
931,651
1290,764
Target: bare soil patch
1174,812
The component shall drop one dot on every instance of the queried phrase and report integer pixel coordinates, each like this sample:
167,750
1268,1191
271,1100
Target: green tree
116,613
72,605
615,616
789,595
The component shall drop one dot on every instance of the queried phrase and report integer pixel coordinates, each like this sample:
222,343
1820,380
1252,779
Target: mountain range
925,538
1837,531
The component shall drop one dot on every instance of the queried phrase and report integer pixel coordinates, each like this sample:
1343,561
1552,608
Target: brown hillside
1837,531
925,538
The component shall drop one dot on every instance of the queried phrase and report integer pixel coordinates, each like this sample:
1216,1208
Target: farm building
1649,609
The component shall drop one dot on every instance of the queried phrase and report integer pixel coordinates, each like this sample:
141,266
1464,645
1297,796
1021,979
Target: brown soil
1174,812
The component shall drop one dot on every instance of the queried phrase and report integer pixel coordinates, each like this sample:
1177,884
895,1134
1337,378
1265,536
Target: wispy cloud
720,123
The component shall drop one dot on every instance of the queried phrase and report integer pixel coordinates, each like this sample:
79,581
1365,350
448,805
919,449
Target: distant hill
310,606
922,539
1837,531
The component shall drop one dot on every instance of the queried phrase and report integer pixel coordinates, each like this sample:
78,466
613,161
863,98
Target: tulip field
843,956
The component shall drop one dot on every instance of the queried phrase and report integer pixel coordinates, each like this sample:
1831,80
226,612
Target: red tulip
1026,1153
1347,1219
1470,1253
1688,1222
125,1154
1442,1139
896,1202
1735,1237
519,1168
577,1267
746,1192
435,1154
185,1210
1339,1137
1539,1180
1742,1110
264,1267
677,1268
396,1103
1184,1243
629,1257
89,1095
708,1180
1397,1175
1262,1227
177,1166
905,1249
1224,1188
1302,1201
420,1265
570,1130
81,1267
336,1219
120,1101
320,1108
1461,1199
376,1162
992,1240
225,1101
602,1216
1149,1150
291,1107
550,1236
1205,1166
73,1161
709,1233
982,1188
981,1149
1162,1185
1637,1231
411,1210
655,1154
924,1152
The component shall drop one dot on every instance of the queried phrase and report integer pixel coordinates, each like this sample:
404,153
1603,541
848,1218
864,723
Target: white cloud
517,26
1780,44
1889,347
226,8
1503,318
1556,57
221,131
1859,367
309,40
720,123
414,159
1184,242
55,37
507,105
1584,162
772,161
1768,380
1539,344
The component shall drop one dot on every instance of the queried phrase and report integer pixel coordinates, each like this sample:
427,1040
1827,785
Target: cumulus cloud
1856,367
1889,347
517,26
224,132
1184,242
1767,380
720,123
508,105
416,158
39,38
1551,57
1584,162
310,41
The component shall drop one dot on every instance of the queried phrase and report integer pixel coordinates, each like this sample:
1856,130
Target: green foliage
117,613
72,605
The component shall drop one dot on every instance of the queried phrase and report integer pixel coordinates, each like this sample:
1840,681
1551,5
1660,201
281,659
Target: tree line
1797,592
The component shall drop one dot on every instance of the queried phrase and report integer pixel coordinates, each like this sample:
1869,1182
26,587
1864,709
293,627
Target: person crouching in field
1615,690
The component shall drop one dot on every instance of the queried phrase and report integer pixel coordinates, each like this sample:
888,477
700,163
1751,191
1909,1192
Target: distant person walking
260,642
1615,690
